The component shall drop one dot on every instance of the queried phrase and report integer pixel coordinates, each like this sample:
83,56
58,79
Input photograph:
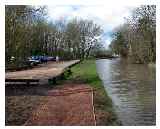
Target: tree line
136,38
29,32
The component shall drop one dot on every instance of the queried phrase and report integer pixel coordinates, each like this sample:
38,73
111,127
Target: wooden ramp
66,106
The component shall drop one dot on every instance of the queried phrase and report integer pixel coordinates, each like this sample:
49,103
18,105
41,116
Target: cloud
107,16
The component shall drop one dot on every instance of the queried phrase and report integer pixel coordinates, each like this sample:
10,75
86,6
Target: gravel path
43,71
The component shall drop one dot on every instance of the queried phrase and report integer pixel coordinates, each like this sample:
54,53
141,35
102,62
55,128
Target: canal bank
85,72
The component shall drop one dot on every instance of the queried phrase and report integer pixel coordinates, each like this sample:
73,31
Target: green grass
85,72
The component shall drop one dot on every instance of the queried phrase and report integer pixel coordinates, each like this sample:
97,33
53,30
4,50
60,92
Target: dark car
40,59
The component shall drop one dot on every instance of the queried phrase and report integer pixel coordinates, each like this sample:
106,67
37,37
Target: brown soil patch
19,108
69,105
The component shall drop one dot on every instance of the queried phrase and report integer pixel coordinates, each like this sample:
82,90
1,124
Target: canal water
132,88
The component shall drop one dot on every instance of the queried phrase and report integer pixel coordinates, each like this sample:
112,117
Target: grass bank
85,72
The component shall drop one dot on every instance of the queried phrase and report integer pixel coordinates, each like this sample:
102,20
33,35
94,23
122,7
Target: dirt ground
19,108
69,104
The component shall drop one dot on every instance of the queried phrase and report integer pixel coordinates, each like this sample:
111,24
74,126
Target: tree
20,21
28,32
137,37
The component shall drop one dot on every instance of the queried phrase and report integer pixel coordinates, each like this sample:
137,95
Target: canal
132,88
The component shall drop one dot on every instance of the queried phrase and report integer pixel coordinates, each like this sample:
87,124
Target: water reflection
132,88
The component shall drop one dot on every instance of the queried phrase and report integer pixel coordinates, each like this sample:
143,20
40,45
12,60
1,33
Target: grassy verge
85,72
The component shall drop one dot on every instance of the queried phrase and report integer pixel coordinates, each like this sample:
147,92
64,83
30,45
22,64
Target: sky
108,17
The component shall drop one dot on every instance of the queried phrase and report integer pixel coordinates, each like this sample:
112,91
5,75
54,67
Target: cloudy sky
108,17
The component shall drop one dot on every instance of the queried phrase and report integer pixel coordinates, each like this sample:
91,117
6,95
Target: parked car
41,59
34,60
